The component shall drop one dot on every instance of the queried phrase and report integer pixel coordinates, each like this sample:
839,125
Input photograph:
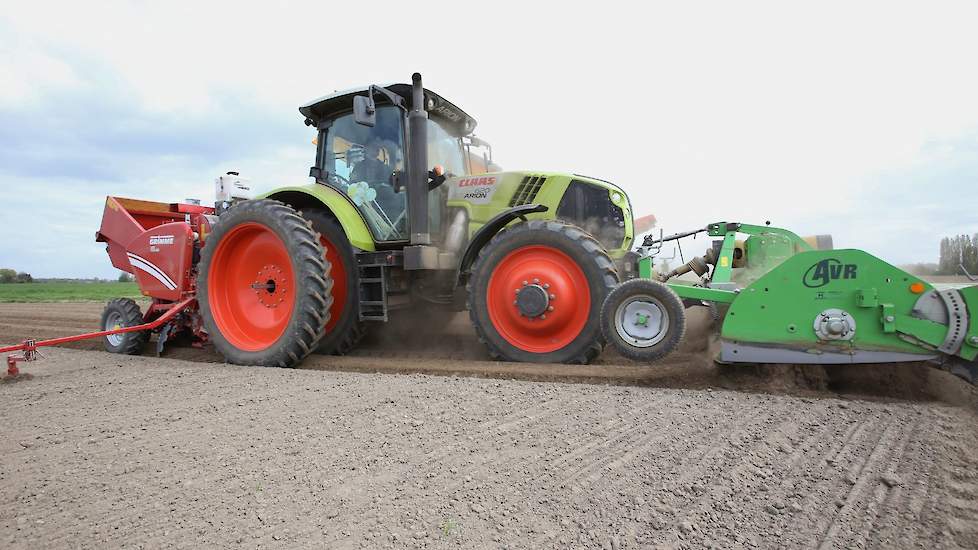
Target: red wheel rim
570,299
251,287
338,273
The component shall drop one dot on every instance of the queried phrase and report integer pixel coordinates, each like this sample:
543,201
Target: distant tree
969,253
125,277
24,278
8,276
957,251
944,261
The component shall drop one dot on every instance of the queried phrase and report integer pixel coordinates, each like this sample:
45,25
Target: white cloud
25,70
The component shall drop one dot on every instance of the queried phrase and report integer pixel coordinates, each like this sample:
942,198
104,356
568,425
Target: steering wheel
342,180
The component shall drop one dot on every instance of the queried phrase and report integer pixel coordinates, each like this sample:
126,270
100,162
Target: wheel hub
642,321
532,300
113,322
270,286
538,299
835,324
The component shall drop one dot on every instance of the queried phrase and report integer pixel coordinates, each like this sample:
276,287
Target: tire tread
350,331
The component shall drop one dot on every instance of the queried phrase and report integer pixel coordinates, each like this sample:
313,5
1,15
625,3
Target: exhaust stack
417,192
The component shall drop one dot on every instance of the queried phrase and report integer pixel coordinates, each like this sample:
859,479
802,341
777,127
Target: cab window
361,161
445,149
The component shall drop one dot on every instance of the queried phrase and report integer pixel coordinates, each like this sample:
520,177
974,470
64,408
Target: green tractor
411,216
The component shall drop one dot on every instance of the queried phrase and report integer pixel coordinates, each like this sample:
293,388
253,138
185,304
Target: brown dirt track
107,451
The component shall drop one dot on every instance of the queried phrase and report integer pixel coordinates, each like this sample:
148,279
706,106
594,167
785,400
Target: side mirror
364,111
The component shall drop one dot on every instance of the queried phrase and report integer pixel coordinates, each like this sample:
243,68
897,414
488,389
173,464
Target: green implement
796,300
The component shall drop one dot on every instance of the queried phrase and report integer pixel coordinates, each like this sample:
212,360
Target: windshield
445,149
361,161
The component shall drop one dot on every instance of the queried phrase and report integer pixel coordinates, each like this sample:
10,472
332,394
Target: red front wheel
536,291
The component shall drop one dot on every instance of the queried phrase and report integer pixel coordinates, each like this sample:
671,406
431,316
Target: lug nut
546,285
535,281
543,315
525,283
550,308
553,296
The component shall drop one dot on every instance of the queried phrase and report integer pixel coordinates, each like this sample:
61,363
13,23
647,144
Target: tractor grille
526,193
590,208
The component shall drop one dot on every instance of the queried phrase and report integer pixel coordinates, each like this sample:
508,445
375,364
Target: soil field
102,450
405,346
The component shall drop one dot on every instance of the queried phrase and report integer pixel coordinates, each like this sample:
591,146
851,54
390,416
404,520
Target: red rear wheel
251,291
264,285
566,299
344,330
340,283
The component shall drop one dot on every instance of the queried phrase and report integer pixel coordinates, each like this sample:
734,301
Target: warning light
917,288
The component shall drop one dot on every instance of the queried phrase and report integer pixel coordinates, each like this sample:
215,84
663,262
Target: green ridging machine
780,298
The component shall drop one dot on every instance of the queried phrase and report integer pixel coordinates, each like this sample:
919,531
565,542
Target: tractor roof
438,107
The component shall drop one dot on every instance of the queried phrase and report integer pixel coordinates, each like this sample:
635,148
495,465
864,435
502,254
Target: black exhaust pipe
417,188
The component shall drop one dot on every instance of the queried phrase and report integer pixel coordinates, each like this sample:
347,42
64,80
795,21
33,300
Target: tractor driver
378,175
371,169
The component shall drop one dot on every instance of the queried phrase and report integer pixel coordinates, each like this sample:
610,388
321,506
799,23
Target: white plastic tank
231,186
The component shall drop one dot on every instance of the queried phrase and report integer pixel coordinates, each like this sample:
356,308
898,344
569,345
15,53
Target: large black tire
306,287
344,330
123,312
656,341
583,251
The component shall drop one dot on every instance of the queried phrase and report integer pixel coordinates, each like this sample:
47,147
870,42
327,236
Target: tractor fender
489,230
338,204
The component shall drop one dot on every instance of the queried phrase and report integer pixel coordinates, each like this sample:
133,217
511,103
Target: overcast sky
855,119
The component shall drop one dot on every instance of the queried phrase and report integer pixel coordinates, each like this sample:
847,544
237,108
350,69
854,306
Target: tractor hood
597,206
453,118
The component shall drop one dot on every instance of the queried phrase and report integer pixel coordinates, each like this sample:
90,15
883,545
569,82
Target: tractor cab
362,144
